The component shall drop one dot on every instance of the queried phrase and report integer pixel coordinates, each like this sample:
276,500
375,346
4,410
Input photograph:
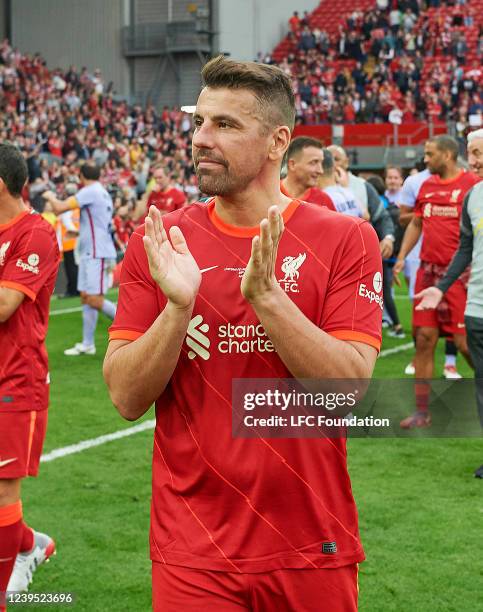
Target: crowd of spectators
399,55
61,118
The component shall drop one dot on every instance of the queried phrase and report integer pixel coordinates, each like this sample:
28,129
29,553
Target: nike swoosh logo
7,461
5,560
208,269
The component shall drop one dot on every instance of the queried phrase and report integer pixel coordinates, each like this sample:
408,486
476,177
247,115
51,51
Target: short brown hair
398,169
158,166
446,143
271,86
300,143
90,171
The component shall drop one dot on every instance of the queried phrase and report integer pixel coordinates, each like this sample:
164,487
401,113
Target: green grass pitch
420,509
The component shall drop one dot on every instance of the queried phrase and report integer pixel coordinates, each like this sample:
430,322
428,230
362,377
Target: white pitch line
397,349
85,444
66,310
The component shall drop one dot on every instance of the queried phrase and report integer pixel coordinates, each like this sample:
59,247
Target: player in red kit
164,196
29,259
437,215
304,167
251,284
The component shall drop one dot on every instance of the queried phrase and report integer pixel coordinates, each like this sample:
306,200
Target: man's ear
280,143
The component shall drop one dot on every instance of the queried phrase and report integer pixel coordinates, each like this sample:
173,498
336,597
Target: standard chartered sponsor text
244,339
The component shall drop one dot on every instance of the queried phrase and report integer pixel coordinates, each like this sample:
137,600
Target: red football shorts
449,317
311,590
22,436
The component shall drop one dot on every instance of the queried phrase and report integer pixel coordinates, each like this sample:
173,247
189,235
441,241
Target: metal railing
159,38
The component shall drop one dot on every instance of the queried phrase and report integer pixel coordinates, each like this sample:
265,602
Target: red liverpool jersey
439,204
29,259
313,195
251,505
166,201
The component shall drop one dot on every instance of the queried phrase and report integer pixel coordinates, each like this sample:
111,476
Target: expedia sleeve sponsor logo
373,295
31,265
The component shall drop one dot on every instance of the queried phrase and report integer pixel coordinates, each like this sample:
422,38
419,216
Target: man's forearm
57,206
306,350
137,373
411,237
61,206
461,260
10,300
406,214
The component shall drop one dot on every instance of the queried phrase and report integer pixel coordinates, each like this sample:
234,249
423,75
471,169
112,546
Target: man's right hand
170,262
430,298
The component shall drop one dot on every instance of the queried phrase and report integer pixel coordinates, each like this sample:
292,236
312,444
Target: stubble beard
213,184
223,184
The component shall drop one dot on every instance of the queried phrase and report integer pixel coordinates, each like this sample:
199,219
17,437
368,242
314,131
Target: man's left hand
259,279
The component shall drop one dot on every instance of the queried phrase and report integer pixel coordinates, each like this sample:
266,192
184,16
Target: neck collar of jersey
245,232
16,219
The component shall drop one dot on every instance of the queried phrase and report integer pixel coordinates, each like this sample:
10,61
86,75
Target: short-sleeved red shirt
124,228
166,201
439,204
313,195
251,505
29,259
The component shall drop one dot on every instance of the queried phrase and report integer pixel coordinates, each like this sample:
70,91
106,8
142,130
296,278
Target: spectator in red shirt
124,226
55,144
294,22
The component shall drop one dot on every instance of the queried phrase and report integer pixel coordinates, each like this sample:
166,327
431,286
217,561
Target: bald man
356,184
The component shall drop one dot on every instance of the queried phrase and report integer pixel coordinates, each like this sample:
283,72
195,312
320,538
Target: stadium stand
60,118
354,62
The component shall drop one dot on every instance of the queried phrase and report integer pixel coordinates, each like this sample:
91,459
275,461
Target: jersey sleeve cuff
349,334
73,203
18,287
124,334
